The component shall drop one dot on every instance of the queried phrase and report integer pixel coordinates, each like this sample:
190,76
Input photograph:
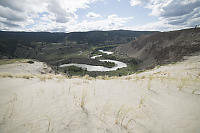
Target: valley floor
162,100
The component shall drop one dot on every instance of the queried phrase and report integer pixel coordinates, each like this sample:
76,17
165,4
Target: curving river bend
118,64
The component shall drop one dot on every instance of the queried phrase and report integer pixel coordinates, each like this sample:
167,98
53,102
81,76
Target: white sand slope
25,68
162,100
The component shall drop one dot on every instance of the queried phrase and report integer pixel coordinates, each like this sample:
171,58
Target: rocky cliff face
163,47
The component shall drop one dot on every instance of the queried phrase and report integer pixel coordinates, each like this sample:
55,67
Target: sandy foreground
163,100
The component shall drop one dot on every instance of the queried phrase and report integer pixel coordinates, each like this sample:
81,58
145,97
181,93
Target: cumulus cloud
174,13
93,15
61,15
30,13
15,5
111,22
9,24
135,2
51,15
11,15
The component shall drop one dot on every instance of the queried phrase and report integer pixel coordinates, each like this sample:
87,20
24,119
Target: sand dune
163,100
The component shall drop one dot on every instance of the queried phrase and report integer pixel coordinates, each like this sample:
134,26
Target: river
118,64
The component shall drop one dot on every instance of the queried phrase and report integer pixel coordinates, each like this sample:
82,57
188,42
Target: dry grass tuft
105,110
6,75
45,77
124,118
141,103
196,92
10,61
181,83
25,76
128,78
136,78
149,84
121,114
60,77
83,99
143,77
9,75
42,78
104,77
88,77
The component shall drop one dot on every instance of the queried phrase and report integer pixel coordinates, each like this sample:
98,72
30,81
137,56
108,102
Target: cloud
177,13
61,14
9,24
135,2
15,5
28,13
11,15
55,16
111,22
93,15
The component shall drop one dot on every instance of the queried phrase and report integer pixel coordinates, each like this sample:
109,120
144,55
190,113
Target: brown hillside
163,47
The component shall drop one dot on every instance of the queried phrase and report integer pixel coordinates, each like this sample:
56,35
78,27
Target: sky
87,15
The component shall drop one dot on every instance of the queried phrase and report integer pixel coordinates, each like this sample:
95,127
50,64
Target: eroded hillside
163,47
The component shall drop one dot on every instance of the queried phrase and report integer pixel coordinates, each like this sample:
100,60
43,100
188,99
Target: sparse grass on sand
9,75
87,104
124,118
10,61
42,77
